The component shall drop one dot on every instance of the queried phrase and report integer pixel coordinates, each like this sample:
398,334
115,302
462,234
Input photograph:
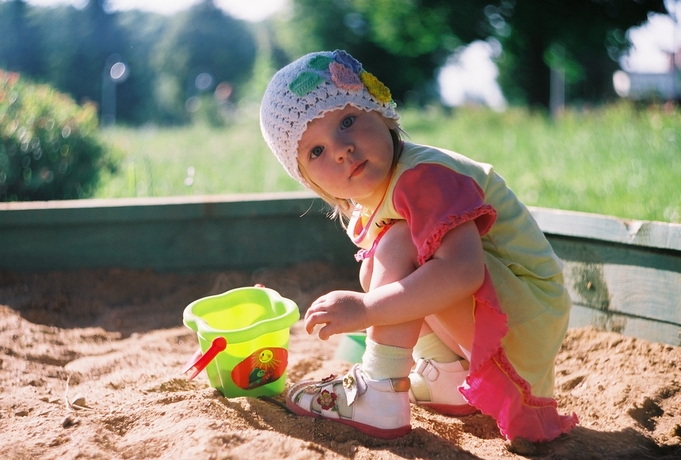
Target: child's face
349,154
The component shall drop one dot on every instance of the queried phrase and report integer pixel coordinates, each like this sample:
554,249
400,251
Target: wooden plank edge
643,328
652,234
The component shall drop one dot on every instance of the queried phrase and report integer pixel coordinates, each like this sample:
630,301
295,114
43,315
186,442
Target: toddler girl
464,303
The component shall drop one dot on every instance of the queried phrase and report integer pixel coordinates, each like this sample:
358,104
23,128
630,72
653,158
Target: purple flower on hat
347,60
345,78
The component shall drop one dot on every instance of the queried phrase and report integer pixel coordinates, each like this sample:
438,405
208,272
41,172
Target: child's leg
438,373
442,360
374,396
394,259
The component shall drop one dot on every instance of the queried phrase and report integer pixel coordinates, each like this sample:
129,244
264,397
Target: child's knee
396,246
365,272
393,260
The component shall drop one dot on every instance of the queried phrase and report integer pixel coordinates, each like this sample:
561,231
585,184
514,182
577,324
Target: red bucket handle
198,362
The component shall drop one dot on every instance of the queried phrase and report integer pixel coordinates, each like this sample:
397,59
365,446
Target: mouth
357,168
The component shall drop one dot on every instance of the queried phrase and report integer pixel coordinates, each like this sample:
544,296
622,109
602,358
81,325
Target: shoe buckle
425,368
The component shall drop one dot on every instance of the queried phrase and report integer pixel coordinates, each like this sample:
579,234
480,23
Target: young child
464,303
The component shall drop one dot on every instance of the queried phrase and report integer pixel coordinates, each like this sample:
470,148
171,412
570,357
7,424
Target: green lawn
615,160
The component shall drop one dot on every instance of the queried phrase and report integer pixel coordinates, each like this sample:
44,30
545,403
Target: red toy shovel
198,362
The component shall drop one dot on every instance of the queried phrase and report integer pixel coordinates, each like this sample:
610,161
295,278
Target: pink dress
522,308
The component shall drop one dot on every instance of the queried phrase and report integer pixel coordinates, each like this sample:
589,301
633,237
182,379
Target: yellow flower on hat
375,87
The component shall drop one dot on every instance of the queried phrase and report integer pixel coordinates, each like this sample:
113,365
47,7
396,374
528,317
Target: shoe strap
424,368
354,384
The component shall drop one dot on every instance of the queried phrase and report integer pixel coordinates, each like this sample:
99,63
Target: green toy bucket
243,337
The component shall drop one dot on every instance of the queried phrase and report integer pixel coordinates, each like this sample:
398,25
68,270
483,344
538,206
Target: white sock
382,362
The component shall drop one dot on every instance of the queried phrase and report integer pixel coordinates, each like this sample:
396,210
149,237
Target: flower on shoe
327,399
348,381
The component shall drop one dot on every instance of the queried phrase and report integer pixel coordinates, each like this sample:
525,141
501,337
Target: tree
202,40
77,44
584,37
19,39
404,58
136,101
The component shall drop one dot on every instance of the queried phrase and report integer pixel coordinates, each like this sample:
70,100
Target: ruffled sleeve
434,199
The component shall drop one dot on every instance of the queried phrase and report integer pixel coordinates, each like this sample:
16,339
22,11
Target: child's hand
338,311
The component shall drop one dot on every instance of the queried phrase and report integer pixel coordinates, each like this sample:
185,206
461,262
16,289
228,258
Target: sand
90,367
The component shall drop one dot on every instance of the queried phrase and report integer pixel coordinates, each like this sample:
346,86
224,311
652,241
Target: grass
617,160
190,160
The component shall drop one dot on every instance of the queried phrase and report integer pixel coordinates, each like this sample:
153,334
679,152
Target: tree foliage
20,39
403,42
203,40
69,47
583,37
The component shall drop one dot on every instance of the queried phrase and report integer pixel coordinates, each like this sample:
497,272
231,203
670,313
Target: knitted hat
308,88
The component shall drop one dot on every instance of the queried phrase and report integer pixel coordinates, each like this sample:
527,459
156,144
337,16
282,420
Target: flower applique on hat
345,71
310,87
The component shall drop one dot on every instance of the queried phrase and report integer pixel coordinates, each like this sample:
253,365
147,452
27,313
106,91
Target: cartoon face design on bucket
349,154
261,367
266,356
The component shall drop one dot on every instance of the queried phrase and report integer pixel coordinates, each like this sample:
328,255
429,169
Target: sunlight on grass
616,160
193,160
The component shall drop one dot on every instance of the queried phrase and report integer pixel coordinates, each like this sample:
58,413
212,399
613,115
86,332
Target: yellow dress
522,309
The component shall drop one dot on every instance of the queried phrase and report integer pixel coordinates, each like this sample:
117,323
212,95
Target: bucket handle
198,362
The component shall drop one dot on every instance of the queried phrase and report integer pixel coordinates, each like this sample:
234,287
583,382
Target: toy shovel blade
198,362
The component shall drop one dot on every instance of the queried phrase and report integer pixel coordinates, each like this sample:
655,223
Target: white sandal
379,408
443,380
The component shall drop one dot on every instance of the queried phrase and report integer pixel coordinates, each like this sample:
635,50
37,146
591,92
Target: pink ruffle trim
429,246
493,385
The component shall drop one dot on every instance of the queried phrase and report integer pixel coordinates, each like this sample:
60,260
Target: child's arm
454,273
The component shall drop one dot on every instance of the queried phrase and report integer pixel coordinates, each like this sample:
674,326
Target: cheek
320,171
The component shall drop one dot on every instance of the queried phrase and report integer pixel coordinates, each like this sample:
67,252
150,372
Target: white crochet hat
308,88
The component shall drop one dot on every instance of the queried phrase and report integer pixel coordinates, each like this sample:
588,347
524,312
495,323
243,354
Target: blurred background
544,90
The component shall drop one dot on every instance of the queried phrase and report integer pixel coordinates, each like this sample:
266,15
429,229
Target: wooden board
622,275
171,234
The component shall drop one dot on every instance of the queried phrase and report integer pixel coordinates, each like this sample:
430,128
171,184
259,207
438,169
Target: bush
48,144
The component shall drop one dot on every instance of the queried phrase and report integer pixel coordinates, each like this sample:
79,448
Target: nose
343,148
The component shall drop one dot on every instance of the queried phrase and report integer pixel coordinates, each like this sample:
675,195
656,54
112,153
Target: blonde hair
342,208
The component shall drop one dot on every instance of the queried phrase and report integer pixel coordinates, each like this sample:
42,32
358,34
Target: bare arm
454,273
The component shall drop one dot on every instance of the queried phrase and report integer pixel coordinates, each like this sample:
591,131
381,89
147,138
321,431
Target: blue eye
347,121
317,151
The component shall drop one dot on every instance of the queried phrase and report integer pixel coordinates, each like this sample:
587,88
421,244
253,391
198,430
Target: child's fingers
324,333
321,318
312,320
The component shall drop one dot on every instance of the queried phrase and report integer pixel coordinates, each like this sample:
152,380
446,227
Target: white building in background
652,69
470,77
639,86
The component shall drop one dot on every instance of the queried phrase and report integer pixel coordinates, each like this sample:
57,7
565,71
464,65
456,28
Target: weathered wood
653,331
608,228
622,275
170,234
